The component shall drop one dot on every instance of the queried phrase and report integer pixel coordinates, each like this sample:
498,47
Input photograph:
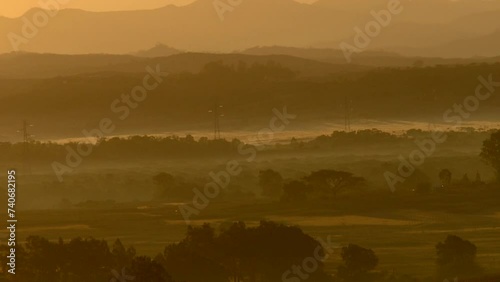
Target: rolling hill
31,65
326,24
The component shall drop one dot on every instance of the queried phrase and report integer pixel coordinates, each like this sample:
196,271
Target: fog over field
250,140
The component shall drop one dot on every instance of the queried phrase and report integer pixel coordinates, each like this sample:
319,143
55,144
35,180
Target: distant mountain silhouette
31,65
373,58
192,27
480,46
304,61
409,34
422,11
198,27
159,50
335,56
479,23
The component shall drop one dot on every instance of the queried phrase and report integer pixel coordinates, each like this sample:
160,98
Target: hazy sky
12,8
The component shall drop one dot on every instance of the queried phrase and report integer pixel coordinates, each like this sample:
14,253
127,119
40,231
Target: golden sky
15,8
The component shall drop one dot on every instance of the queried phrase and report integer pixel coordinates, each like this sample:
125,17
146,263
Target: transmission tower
27,137
217,114
347,114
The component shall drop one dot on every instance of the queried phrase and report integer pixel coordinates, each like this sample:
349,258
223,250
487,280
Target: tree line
179,147
267,252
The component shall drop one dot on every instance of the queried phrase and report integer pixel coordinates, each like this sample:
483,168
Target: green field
404,239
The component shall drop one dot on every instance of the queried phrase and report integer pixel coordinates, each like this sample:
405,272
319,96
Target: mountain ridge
75,31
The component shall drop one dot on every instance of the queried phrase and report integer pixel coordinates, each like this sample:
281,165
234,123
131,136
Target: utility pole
217,113
26,142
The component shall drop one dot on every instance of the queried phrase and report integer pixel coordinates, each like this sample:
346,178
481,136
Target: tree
274,256
173,188
144,269
196,251
42,257
165,182
88,259
456,257
24,268
241,253
80,260
331,182
235,258
491,152
122,256
294,192
271,183
465,182
445,177
358,262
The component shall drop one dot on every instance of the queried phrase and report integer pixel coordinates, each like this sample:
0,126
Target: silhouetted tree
294,192
271,183
163,179
24,268
235,252
165,183
456,257
445,177
240,253
122,256
88,259
358,262
465,181
281,248
491,152
80,260
42,257
144,269
331,182
173,188
196,251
